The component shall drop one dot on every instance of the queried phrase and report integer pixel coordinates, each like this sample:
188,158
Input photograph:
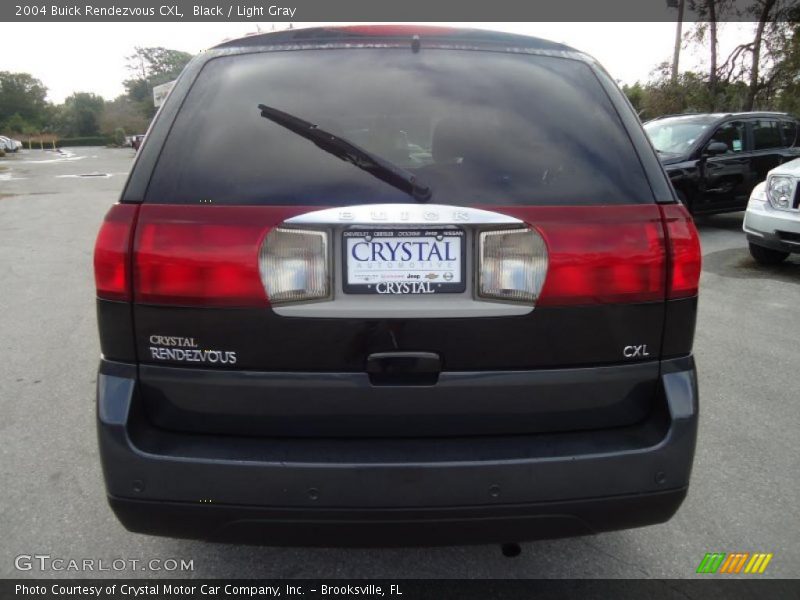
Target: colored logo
734,563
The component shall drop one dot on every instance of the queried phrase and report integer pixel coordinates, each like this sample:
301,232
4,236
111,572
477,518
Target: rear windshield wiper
348,151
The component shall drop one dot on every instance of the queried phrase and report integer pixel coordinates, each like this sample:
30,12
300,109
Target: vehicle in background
715,160
772,219
9,144
136,141
452,302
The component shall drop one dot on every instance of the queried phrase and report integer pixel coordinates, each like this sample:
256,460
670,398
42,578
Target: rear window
478,127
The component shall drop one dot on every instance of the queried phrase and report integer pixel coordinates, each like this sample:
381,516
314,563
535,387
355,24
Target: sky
91,57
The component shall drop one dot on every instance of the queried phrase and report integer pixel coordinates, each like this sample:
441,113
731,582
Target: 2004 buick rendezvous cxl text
395,285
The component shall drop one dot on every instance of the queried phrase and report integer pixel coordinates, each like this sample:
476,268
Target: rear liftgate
400,320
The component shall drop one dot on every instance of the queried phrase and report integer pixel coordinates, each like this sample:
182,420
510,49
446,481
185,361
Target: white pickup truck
772,220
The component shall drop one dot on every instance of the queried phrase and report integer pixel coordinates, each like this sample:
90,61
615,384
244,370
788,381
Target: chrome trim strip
403,214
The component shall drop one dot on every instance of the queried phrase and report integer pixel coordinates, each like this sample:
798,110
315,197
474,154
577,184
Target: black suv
425,285
715,160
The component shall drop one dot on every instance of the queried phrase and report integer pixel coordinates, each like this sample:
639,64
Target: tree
635,94
662,95
22,97
16,123
765,7
782,87
677,50
125,113
690,93
157,65
756,61
118,136
152,67
757,73
79,116
709,13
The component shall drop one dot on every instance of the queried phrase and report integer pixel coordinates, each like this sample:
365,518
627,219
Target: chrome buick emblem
403,213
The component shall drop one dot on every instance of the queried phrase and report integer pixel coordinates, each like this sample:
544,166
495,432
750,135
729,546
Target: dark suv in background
715,160
426,285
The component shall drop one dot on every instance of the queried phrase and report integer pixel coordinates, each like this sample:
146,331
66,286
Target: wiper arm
348,151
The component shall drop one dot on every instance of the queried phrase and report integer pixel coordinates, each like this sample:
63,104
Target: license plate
404,261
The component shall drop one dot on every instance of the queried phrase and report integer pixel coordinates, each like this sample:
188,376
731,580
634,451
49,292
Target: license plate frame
423,278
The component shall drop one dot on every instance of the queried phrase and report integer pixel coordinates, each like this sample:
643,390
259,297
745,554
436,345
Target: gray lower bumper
453,489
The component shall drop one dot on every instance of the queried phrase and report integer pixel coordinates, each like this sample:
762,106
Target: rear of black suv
395,285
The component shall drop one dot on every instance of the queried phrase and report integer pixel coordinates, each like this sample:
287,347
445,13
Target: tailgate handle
404,368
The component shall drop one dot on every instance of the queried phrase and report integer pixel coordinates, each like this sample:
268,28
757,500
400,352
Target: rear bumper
396,527
395,491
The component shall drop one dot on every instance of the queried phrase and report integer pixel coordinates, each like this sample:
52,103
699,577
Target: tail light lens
685,256
244,256
513,265
599,254
199,256
112,253
294,265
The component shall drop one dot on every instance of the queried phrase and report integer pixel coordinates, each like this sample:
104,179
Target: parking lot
745,486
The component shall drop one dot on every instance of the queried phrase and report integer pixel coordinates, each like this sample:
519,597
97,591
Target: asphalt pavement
745,485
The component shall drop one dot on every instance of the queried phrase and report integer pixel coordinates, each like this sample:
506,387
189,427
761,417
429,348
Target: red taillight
111,253
202,255
685,256
209,256
600,254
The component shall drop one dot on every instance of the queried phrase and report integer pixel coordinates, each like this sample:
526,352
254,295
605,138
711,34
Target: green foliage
690,93
777,87
24,108
79,116
118,138
157,65
124,113
761,73
96,140
17,124
152,67
785,78
22,97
